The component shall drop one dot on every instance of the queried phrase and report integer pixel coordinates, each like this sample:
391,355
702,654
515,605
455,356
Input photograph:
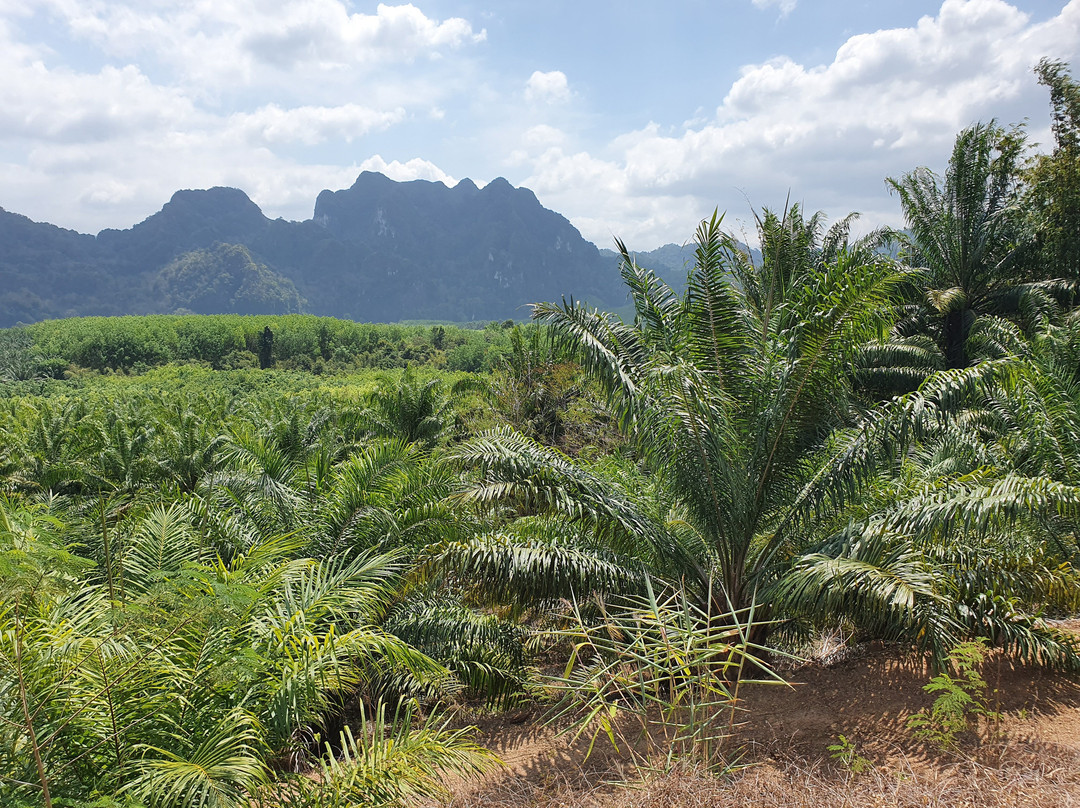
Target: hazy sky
633,119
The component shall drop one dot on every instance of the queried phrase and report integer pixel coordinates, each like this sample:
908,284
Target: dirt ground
1031,757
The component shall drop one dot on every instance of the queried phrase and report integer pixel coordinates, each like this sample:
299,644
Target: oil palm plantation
771,484
173,676
977,516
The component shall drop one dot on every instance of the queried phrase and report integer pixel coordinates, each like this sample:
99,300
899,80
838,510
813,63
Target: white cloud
547,87
286,97
785,6
81,107
888,102
543,136
322,31
414,169
312,125
196,94
230,40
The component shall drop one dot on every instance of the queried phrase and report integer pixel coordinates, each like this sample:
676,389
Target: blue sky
633,119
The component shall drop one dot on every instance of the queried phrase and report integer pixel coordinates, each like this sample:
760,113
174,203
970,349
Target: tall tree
966,231
266,348
1054,179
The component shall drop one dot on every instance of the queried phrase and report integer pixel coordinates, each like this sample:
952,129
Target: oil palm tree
412,410
966,231
730,395
776,485
976,520
177,687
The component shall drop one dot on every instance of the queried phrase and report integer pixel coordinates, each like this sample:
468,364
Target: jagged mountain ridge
378,251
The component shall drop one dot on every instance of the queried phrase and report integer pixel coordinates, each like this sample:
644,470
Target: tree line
50,348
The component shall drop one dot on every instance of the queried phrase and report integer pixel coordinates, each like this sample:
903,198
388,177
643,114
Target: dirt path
870,699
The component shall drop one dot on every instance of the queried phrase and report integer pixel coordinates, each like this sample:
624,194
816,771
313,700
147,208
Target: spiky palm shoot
395,759
659,676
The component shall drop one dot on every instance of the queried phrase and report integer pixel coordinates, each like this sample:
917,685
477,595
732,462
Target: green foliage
225,279
266,349
410,410
1053,192
730,392
303,342
174,674
961,698
391,761
657,675
966,231
20,360
219,773
847,755
209,570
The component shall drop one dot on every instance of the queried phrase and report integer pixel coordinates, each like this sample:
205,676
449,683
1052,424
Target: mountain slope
379,251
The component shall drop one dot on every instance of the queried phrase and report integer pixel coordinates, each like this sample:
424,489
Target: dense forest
265,560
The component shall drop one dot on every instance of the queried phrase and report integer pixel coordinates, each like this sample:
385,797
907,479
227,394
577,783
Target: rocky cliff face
380,250
461,252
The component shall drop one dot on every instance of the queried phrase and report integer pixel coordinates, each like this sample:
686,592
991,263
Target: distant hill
672,262
379,251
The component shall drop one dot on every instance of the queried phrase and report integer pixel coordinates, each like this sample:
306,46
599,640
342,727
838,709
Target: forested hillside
380,251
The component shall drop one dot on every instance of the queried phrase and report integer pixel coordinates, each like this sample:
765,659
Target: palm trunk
956,339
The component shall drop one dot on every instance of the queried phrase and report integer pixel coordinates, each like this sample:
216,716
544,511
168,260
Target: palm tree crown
966,231
732,391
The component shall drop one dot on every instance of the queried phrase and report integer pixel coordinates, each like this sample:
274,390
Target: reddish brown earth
1031,757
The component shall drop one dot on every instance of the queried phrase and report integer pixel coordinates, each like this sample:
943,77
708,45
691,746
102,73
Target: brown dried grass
1030,758
1017,775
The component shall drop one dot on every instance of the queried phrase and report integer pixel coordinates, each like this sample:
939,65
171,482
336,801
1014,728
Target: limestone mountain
378,251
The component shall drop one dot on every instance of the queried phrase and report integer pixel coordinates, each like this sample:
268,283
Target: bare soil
1031,757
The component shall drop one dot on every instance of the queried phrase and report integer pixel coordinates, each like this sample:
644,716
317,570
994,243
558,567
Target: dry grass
1018,775
1035,782
1030,758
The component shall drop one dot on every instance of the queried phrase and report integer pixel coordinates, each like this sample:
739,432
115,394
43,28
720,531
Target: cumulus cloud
234,92
547,87
414,169
83,106
325,32
286,97
887,102
230,39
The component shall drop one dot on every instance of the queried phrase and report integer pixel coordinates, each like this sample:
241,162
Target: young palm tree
729,394
176,687
776,485
414,411
976,523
